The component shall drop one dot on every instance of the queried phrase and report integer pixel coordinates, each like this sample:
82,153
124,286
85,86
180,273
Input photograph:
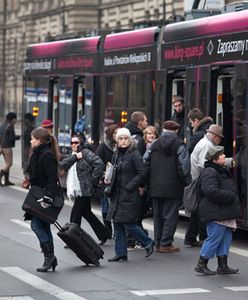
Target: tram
105,79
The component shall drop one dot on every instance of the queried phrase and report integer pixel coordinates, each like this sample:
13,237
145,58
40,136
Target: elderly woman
219,207
125,202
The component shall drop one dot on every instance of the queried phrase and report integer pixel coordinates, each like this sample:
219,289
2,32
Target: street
161,276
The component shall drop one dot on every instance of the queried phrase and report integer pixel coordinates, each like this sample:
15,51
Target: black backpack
192,195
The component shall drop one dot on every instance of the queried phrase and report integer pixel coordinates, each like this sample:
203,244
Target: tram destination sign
131,59
205,50
64,65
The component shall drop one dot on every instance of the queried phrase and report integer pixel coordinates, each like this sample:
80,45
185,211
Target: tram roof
220,24
73,46
130,39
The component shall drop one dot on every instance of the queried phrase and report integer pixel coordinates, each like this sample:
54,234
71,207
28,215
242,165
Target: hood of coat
203,125
165,143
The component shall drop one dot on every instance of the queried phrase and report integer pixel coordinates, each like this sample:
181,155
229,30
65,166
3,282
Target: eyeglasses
75,143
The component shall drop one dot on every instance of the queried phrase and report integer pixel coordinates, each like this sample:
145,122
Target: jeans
218,241
120,237
42,230
104,205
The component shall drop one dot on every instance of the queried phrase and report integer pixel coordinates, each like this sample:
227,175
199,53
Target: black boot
2,172
223,267
7,182
202,267
50,259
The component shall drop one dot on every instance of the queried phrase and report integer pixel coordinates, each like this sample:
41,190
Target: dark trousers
195,227
165,216
82,208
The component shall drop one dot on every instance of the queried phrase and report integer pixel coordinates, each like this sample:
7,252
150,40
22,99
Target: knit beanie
123,132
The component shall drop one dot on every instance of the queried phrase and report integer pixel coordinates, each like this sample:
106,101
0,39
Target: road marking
169,292
27,225
41,284
237,288
17,298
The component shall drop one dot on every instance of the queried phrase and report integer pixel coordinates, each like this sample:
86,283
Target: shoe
118,258
203,268
168,249
191,244
223,268
149,249
102,242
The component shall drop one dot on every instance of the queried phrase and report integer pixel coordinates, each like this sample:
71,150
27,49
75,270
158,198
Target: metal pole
164,9
63,17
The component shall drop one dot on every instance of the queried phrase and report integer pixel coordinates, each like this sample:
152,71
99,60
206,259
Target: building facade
23,22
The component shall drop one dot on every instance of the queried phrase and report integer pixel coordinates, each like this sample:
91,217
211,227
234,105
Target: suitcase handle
58,226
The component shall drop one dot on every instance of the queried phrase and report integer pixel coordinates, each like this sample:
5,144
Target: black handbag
46,208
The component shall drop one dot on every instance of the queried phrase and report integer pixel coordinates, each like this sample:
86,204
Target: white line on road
17,298
41,284
237,288
169,292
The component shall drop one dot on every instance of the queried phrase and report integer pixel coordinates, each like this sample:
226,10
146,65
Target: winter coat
168,167
125,202
219,195
89,170
137,136
43,169
198,132
7,135
179,119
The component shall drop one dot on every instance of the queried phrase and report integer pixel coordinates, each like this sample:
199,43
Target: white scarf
72,183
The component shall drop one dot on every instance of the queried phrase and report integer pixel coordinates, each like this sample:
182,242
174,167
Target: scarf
72,183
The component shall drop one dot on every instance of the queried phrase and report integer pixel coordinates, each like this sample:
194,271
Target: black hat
10,116
29,116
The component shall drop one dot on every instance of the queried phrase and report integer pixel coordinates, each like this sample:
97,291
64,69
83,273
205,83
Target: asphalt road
162,276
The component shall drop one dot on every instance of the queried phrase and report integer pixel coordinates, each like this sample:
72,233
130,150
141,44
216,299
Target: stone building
24,22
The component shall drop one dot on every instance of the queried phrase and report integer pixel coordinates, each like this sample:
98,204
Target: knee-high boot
50,259
202,267
7,182
223,267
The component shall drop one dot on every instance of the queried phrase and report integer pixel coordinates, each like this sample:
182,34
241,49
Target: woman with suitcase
43,172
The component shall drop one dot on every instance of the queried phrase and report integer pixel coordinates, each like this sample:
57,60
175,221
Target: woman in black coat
218,208
125,202
43,172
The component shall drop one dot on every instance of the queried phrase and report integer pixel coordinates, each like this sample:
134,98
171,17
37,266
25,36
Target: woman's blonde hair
148,129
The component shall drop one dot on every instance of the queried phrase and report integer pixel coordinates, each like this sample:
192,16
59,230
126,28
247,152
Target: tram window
202,105
137,89
241,132
65,107
116,91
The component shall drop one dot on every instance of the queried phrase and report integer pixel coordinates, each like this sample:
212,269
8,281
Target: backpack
192,196
80,125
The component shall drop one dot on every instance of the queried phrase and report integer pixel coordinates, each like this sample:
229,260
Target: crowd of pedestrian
152,169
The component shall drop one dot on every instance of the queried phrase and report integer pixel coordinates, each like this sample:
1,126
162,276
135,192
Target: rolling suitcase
80,242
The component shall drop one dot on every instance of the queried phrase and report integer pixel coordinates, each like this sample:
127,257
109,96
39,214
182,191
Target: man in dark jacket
200,124
7,142
136,125
178,115
168,168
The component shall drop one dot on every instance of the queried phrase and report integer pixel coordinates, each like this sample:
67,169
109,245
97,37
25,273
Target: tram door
240,137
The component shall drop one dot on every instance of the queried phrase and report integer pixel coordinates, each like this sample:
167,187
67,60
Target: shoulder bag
44,207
